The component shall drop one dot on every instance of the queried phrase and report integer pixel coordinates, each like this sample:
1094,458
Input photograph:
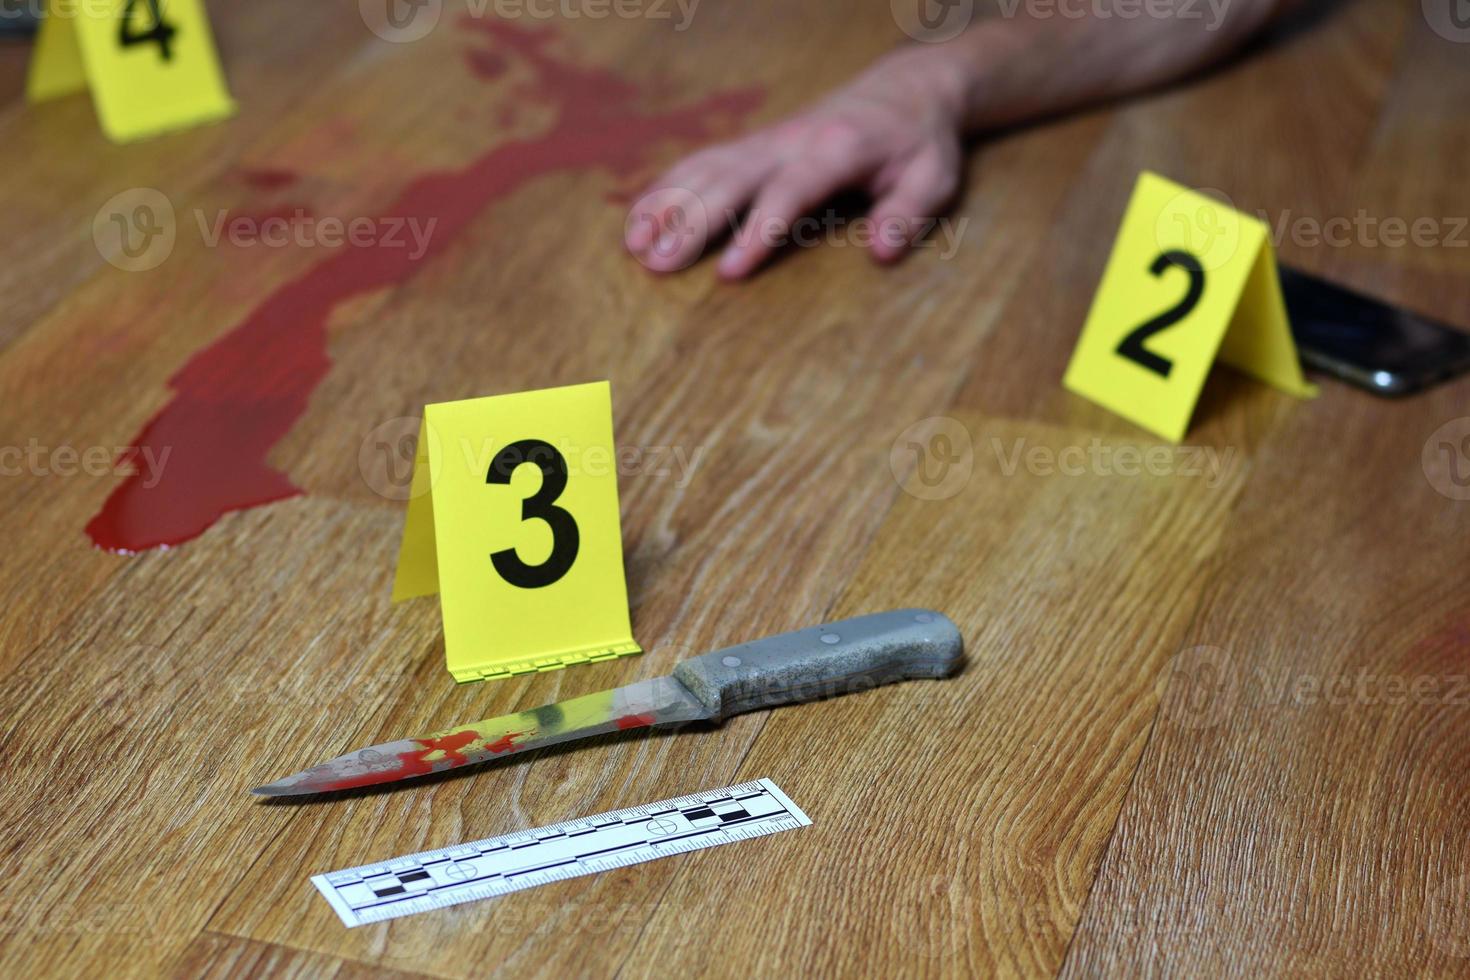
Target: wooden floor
1213,720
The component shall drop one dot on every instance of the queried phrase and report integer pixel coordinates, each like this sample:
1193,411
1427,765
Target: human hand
894,131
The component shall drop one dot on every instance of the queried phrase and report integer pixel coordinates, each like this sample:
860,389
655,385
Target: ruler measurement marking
361,902
389,898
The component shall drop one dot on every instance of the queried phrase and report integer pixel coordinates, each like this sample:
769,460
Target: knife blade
822,661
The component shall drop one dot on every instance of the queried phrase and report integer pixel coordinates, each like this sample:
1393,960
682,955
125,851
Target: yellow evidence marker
150,64
1189,279
513,519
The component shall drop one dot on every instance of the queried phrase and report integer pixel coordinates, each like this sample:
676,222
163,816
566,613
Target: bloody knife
840,658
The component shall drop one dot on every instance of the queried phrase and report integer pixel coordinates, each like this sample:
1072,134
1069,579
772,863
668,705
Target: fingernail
667,245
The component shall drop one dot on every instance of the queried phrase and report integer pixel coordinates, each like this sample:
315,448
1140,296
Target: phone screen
1366,341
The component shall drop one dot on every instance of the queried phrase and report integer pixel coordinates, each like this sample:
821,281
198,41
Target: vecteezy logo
932,919
672,226
135,230
932,20
1446,459
1208,231
1198,688
1450,19
152,670
933,458
401,21
387,455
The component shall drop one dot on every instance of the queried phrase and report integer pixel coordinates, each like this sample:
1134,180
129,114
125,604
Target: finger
648,215
668,228
672,225
790,194
916,198
645,219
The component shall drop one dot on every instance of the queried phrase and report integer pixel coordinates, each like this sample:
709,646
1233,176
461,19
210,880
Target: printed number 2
1132,345
161,33
565,538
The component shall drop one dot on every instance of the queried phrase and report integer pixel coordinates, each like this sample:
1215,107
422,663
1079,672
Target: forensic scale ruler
467,872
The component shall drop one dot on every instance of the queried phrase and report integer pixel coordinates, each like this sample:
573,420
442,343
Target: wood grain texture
1292,812
1158,759
212,955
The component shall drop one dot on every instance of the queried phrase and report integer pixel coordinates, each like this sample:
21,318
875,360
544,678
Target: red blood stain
449,745
268,178
418,763
487,65
634,721
505,743
235,399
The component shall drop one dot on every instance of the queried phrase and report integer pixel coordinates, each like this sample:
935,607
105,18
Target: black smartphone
1367,342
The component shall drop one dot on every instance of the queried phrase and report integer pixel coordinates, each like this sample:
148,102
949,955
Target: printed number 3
1132,345
161,33
565,538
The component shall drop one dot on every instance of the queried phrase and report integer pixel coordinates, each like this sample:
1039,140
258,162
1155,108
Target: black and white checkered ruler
484,869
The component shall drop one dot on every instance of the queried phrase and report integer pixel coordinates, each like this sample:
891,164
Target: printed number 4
161,33
565,538
1132,345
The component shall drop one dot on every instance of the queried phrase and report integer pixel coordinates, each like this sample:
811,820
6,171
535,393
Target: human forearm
894,131
1007,70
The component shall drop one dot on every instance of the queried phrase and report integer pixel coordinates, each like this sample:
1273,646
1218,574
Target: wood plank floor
1214,720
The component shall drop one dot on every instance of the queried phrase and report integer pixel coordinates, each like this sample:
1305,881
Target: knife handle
823,661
